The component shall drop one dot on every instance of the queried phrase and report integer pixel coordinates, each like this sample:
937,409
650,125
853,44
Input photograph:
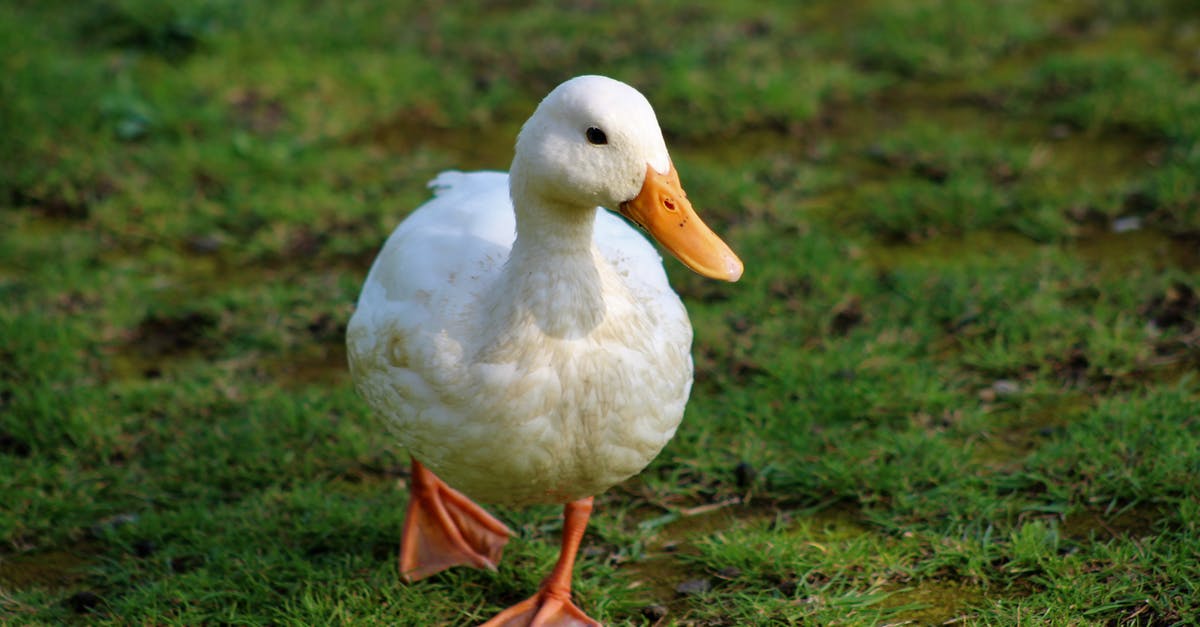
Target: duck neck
552,275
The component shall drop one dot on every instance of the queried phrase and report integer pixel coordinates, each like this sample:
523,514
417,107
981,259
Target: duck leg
444,528
552,606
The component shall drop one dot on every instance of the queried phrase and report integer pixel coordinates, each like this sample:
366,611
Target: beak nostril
669,203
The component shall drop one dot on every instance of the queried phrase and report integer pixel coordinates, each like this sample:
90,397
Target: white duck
532,351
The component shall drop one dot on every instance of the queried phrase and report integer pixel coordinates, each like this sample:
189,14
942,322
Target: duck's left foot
545,609
444,528
552,606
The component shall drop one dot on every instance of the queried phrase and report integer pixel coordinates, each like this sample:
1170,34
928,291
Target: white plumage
510,382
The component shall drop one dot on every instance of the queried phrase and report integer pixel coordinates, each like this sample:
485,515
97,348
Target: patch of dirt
969,247
1116,252
323,364
14,446
72,203
162,335
159,338
257,112
1175,312
322,247
167,33
424,126
933,602
1130,522
1013,436
1177,307
664,574
1074,370
668,578
56,569
846,315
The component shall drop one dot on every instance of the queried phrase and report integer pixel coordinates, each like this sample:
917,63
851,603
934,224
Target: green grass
958,381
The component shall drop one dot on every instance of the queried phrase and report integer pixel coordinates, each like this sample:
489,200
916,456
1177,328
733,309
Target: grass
958,382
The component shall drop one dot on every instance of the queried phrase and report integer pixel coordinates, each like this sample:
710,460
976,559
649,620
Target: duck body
521,374
523,344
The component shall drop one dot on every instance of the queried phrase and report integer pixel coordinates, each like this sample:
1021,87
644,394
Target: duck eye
596,136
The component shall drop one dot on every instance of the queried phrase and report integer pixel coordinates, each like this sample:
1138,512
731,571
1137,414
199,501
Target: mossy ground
958,382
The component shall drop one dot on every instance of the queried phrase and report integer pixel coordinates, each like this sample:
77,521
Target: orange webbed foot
552,606
543,610
444,528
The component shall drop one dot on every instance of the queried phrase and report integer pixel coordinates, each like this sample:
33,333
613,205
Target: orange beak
662,208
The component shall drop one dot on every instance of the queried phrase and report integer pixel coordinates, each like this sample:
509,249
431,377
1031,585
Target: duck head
594,141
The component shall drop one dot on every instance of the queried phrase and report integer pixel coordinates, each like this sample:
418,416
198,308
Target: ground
958,382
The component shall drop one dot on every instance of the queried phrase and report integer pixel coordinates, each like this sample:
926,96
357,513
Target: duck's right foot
444,528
